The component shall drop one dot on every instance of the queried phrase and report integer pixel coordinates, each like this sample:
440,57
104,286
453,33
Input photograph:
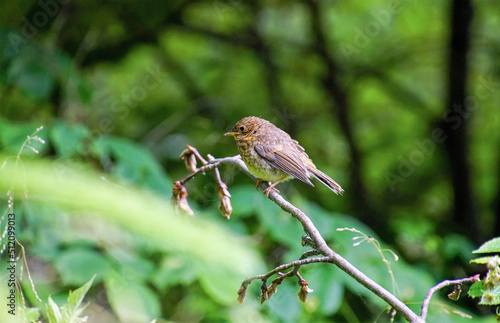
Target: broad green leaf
132,163
244,200
214,282
68,140
136,267
482,260
32,314
76,266
280,225
285,304
131,301
476,290
492,245
327,284
454,245
176,270
32,72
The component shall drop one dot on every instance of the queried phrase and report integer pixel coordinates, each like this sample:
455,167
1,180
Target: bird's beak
231,134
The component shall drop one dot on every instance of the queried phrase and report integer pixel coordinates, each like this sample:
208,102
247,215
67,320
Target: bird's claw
267,191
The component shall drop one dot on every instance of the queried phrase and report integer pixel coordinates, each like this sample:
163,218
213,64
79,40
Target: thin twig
202,169
309,253
299,276
427,300
217,176
296,263
197,154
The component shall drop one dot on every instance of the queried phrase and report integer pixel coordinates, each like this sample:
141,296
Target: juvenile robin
273,156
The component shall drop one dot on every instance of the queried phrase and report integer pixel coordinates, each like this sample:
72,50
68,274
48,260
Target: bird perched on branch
273,156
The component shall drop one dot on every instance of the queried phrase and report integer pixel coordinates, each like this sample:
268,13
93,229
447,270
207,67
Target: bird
273,156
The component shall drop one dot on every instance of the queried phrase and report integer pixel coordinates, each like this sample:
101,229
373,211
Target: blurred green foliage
120,87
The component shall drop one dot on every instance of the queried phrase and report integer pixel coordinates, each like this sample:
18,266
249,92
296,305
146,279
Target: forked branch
320,252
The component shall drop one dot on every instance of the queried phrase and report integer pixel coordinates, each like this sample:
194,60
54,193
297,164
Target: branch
318,242
312,239
342,263
427,300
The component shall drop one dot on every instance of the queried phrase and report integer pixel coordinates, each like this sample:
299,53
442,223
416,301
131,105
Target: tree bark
455,122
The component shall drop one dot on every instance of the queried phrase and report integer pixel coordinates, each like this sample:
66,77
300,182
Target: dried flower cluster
268,292
492,282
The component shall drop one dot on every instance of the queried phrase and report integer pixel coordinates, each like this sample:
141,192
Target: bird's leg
266,191
272,187
258,183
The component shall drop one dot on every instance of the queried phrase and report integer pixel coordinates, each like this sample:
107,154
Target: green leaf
32,314
326,281
175,270
454,245
132,163
477,289
76,266
492,245
75,297
132,302
219,284
281,226
244,199
68,140
135,266
482,260
284,305
53,312
32,72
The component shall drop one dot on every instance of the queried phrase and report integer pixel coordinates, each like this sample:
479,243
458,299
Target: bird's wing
284,158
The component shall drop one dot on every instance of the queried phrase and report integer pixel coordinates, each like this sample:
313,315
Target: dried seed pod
189,159
225,206
304,291
273,288
179,198
242,293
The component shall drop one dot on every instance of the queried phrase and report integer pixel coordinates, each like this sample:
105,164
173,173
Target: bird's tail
325,179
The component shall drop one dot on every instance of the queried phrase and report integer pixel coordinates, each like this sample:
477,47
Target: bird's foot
267,191
258,183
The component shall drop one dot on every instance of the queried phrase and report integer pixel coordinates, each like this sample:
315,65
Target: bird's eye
242,128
